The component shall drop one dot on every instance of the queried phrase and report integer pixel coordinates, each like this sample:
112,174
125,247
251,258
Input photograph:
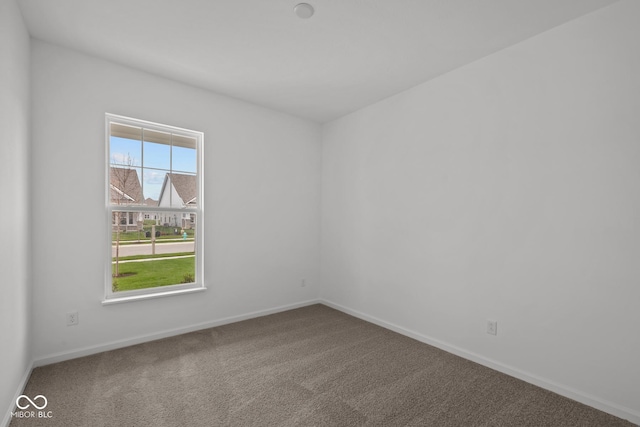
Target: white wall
15,358
262,175
508,190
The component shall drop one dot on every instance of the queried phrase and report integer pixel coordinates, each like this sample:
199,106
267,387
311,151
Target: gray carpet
313,366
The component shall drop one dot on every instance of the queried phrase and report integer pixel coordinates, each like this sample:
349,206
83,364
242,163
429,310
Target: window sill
131,298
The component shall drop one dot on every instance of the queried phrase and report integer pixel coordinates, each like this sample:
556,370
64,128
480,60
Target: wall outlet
72,318
492,327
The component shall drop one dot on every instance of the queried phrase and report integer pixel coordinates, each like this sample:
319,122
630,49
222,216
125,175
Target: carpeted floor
313,366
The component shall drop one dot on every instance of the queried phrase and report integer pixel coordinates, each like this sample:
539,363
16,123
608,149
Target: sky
157,161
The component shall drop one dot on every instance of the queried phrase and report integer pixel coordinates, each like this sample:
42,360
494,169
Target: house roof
125,186
150,202
185,186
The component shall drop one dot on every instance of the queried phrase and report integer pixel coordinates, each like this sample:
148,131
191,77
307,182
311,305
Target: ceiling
349,54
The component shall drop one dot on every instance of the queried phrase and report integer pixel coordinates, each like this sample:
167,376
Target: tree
124,189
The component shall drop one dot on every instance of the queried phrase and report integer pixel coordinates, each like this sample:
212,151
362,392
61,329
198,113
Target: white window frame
111,297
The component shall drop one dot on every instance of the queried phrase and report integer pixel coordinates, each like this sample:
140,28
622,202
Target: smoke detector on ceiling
303,10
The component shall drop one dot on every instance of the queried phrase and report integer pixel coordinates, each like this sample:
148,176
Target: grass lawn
159,241
167,233
132,257
128,236
149,274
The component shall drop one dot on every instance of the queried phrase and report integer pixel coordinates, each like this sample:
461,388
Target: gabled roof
185,186
125,186
150,202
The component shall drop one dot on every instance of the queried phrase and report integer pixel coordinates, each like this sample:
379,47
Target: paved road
161,248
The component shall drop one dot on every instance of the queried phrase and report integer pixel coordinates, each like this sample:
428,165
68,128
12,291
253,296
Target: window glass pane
125,187
184,141
153,180
124,152
157,155
184,155
126,131
179,191
157,136
164,258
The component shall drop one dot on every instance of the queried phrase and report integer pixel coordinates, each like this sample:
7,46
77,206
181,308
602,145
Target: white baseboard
595,402
87,351
21,386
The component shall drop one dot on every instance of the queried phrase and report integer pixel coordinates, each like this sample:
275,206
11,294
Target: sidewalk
148,241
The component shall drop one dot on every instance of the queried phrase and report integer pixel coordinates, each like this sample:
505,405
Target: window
154,206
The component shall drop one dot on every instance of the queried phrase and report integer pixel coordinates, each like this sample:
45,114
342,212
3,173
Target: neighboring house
151,215
125,190
178,190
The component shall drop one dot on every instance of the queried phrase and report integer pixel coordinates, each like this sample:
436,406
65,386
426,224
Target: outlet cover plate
72,318
492,327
